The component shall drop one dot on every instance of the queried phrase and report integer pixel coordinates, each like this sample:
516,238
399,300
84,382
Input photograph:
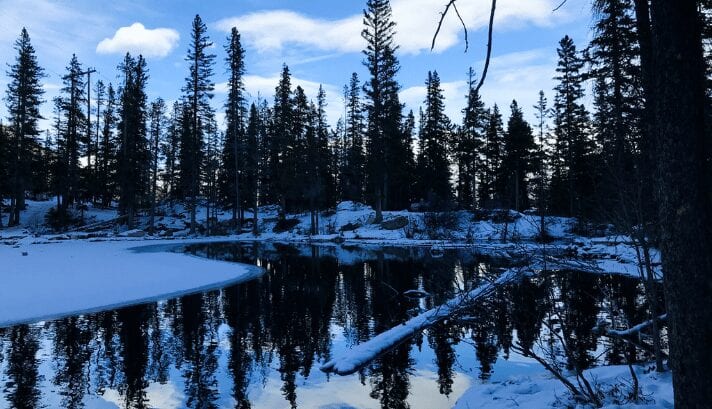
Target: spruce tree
72,140
386,147
614,56
133,150
198,91
327,172
94,193
170,149
572,181
280,145
156,134
468,145
23,98
353,172
252,163
4,170
107,150
518,160
489,178
232,175
541,113
432,163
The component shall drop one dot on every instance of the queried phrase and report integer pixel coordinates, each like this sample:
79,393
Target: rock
395,223
134,233
350,227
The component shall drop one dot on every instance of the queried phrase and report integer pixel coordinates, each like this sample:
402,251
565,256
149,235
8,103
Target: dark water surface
260,344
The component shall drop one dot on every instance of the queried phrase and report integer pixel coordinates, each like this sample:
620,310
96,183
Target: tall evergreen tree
387,148
23,98
106,163
489,178
170,150
281,144
542,112
133,150
4,169
198,91
252,163
157,116
518,160
572,180
614,56
353,172
468,145
72,139
232,173
433,167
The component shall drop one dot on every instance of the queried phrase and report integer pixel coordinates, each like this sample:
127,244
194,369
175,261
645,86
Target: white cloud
273,29
137,39
416,21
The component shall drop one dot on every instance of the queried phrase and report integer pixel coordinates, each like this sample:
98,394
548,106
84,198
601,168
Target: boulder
395,223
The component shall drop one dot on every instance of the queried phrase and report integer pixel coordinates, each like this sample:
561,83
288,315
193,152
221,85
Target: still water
259,344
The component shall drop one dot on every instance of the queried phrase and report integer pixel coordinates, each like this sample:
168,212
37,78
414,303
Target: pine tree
107,150
156,134
210,172
491,157
72,140
353,172
387,148
468,145
133,150
234,152
614,56
280,145
23,98
252,162
541,160
433,167
4,170
170,150
518,160
327,172
198,92
100,91
572,180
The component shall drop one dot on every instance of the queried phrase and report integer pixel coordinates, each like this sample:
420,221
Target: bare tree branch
559,6
451,3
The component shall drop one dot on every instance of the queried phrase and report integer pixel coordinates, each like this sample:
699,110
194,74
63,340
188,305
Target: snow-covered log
361,354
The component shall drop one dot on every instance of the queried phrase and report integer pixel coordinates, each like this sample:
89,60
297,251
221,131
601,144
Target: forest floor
97,265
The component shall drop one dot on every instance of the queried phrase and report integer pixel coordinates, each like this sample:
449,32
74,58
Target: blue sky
319,39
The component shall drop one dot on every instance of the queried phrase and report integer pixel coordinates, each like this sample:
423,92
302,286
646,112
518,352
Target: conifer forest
293,208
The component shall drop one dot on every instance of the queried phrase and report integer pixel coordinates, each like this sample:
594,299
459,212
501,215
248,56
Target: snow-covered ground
352,224
44,279
539,389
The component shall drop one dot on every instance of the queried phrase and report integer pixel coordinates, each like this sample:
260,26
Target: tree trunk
683,152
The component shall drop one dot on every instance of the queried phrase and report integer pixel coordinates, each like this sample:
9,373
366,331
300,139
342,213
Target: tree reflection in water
225,348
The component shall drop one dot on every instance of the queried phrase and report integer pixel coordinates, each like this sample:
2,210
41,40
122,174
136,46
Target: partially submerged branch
360,355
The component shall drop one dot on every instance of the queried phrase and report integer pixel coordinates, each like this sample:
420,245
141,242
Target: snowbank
70,277
541,390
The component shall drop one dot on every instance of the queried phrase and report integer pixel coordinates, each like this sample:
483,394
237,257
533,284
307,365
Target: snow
70,277
541,390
